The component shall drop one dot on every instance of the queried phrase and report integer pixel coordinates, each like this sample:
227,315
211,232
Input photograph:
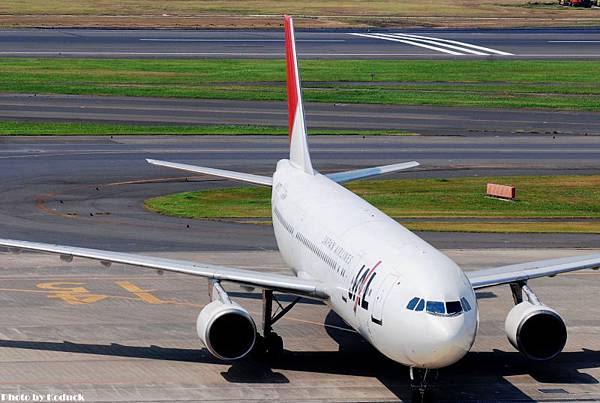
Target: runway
427,120
129,335
538,43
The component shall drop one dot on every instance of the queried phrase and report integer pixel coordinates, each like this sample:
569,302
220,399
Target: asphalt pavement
544,43
127,334
89,191
429,120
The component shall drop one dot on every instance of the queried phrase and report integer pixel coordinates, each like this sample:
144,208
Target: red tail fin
292,71
299,154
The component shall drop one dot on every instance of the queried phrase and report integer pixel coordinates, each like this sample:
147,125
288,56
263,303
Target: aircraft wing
341,177
524,271
270,281
238,176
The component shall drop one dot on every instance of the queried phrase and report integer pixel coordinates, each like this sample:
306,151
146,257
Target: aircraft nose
446,341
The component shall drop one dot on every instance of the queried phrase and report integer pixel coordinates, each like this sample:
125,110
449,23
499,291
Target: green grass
263,13
546,197
10,128
482,83
253,7
590,227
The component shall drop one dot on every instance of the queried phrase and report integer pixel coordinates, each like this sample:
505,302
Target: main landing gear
270,344
420,382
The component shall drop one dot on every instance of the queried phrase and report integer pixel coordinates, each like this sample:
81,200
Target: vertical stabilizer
299,154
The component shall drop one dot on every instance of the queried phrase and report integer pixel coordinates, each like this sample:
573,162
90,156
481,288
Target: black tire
260,347
418,396
275,347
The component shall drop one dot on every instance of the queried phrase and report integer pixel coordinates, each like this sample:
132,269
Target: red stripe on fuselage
358,294
290,58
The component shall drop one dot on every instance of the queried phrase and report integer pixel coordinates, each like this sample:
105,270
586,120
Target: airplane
405,297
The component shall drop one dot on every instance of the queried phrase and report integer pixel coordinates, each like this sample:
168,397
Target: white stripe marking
467,45
573,41
422,45
274,54
461,49
234,40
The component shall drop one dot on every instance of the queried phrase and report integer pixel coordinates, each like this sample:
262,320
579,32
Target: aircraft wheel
421,396
260,347
275,348
271,348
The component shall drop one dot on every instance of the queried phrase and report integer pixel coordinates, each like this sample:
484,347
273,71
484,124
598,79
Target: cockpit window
412,303
435,307
453,307
439,308
465,304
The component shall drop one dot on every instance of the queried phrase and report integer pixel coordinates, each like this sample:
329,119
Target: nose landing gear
420,383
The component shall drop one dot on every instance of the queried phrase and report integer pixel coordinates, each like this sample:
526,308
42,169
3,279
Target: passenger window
465,304
420,306
453,307
412,303
435,307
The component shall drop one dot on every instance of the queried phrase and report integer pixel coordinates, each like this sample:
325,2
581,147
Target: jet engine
535,329
226,329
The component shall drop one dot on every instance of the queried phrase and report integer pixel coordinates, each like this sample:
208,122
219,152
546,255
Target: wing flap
271,281
341,177
525,271
238,176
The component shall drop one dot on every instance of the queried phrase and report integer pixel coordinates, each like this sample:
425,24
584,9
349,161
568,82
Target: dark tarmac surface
89,191
429,120
546,43
127,334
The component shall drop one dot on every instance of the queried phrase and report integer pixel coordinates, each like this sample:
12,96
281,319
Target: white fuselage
372,267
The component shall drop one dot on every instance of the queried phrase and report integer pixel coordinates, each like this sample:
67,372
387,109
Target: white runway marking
57,53
462,44
440,45
573,41
234,40
186,54
422,45
458,48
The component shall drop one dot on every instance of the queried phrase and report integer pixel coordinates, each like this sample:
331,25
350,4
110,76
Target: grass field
17,128
265,7
501,84
550,198
263,13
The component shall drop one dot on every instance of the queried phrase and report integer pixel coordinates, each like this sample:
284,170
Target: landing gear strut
419,384
270,343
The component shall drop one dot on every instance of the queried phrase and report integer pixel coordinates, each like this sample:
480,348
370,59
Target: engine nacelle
536,330
226,329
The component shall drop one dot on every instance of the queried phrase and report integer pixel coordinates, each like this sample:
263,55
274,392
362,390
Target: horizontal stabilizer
238,176
341,177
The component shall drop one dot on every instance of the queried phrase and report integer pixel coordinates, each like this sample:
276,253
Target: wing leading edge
270,281
339,177
347,176
238,176
515,273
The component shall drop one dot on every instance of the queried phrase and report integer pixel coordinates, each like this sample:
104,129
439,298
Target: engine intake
226,329
536,330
